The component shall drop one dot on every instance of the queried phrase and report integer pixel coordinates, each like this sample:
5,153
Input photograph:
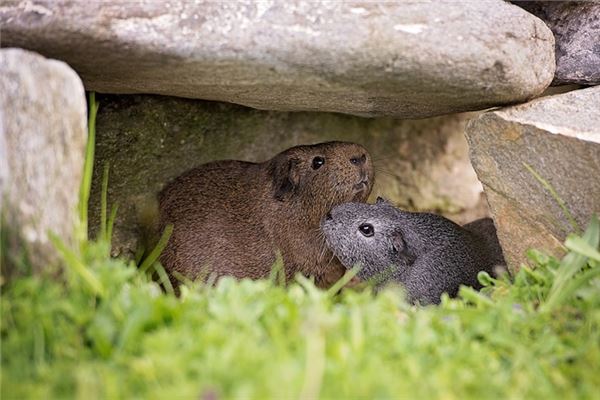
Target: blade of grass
86,182
164,278
561,203
580,280
277,275
343,281
111,222
103,202
315,364
570,265
381,277
475,297
182,279
139,254
73,263
308,285
155,253
578,245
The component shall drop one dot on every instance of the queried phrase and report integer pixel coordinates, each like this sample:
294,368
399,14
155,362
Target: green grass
111,332
104,329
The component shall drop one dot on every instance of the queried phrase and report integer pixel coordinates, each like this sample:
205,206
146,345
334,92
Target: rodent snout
359,160
362,185
328,216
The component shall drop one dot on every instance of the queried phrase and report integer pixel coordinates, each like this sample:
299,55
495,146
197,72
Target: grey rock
148,140
405,59
558,137
43,132
576,27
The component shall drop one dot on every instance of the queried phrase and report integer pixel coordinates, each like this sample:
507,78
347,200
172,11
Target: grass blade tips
565,283
343,281
77,266
86,181
578,245
104,202
111,222
561,203
160,246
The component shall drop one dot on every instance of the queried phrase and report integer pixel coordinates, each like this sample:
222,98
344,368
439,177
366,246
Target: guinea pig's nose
328,216
359,160
364,176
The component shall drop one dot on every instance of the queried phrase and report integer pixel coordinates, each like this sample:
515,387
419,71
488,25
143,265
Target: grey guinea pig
427,253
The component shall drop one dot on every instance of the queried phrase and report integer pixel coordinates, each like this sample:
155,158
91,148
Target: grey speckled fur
427,253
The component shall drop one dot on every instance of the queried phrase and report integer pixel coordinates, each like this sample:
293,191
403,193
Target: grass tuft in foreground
111,332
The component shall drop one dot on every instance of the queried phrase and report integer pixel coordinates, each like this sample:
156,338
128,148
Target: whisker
381,169
386,157
331,259
384,172
323,251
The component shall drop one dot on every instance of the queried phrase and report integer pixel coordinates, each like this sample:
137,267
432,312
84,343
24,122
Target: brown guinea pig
233,217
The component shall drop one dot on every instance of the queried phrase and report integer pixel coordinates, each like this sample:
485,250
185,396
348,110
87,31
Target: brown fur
232,217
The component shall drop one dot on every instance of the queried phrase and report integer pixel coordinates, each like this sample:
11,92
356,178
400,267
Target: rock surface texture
576,27
559,138
404,59
43,132
148,140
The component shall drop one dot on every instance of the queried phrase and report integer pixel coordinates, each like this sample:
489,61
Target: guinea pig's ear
398,242
285,175
400,248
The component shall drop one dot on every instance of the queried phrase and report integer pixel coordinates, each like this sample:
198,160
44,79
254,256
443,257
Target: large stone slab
43,132
576,27
405,59
421,164
559,138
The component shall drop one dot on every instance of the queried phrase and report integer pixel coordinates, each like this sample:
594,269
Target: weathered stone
576,27
404,59
421,164
559,138
42,143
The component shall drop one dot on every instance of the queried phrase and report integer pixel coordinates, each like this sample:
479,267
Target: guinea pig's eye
367,230
318,162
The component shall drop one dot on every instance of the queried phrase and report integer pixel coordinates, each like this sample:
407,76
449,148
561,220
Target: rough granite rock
559,138
43,132
576,28
406,59
421,164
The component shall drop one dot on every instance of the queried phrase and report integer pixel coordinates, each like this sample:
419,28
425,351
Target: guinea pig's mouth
361,186
361,189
